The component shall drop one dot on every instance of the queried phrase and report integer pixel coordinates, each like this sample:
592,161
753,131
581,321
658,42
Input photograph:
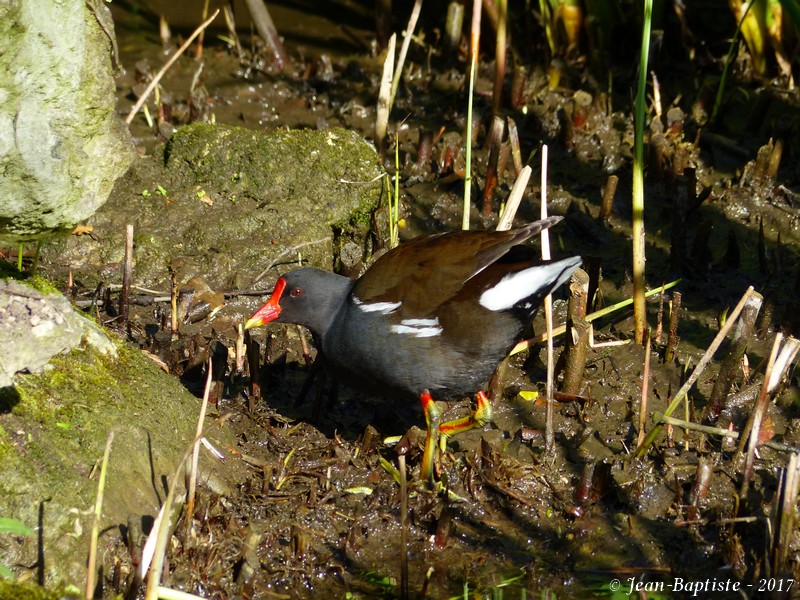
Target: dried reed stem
149,90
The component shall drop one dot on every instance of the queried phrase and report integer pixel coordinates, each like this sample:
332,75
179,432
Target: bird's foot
438,431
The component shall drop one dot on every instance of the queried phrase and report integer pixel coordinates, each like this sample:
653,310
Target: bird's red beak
271,310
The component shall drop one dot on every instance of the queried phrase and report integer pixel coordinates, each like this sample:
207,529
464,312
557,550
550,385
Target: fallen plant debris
607,488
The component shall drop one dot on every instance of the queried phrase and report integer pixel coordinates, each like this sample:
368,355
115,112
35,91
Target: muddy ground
320,515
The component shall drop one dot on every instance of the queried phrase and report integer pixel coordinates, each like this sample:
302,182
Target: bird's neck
330,305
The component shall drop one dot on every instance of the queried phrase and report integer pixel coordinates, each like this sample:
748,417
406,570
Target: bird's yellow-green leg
480,416
433,416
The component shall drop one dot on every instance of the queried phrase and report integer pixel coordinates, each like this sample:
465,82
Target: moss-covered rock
29,591
53,428
36,325
224,202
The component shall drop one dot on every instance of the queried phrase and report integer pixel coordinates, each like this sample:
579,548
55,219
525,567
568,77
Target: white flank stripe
418,327
423,322
518,286
384,308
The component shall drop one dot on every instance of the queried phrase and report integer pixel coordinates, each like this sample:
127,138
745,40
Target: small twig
500,56
254,368
165,521
659,321
230,22
401,58
198,52
549,435
146,94
196,450
468,149
304,345
98,512
401,460
284,253
138,288
638,231
525,344
239,346
493,142
763,266
683,424
753,426
784,518
562,397
711,430
126,275
674,319
173,299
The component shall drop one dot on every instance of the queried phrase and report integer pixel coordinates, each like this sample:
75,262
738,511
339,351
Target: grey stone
62,145
34,327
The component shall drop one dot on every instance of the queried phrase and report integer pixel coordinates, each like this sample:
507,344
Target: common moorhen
433,316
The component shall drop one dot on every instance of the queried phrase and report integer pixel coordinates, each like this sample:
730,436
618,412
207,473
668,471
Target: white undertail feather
515,287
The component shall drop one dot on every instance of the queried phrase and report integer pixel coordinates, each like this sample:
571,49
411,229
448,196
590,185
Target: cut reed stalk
514,199
513,139
732,363
266,29
608,197
384,99
454,25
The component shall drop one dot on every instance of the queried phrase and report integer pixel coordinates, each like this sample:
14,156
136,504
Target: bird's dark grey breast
367,349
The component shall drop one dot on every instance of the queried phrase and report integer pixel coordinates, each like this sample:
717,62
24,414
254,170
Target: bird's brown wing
425,272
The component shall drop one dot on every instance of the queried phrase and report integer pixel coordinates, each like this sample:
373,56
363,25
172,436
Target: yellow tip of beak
253,322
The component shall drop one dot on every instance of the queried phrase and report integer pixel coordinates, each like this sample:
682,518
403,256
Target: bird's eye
296,292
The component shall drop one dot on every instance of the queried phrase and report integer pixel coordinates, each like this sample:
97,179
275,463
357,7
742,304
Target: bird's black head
308,297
